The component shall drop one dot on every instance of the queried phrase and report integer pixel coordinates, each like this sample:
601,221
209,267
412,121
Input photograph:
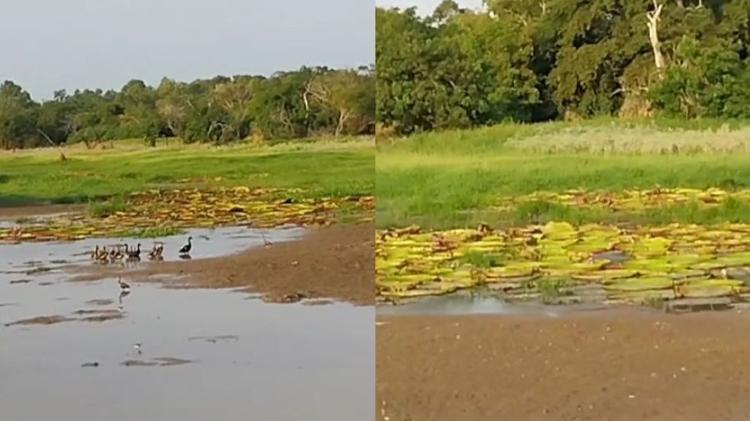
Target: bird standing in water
265,240
123,286
187,247
135,254
156,252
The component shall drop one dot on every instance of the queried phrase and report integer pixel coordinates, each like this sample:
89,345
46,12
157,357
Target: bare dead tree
653,34
47,138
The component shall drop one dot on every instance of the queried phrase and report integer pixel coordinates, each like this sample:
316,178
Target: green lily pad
640,284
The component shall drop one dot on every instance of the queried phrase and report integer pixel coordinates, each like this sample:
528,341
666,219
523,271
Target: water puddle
86,351
614,256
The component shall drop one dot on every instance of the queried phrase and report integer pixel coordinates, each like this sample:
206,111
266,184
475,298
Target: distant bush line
303,103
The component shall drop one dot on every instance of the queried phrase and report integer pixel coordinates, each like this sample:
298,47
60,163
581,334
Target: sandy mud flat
594,365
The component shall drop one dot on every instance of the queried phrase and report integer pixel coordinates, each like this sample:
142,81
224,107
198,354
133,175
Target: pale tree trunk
306,100
653,35
343,116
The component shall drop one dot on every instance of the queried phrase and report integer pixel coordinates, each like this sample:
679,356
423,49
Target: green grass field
324,168
453,179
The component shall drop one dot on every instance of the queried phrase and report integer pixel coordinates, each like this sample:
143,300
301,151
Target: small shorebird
123,293
123,286
265,240
187,247
137,348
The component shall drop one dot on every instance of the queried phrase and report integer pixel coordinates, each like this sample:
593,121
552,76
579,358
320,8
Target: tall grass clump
646,140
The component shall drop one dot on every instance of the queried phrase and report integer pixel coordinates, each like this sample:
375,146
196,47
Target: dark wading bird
135,254
187,247
95,254
123,293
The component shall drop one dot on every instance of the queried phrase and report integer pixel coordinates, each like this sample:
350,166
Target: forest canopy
537,60
302,103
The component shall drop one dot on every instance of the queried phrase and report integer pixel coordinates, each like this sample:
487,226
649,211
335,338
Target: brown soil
15,212
100,302
105,317
614,365
160,362
333,262
90,316
40,320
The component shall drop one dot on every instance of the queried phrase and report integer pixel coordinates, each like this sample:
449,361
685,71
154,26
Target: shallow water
205,354
477,303
20,258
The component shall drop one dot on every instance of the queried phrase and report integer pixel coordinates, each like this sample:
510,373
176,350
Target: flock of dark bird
127,253
124,252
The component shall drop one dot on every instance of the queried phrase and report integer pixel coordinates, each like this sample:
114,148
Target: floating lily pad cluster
190,208
629,200
629,264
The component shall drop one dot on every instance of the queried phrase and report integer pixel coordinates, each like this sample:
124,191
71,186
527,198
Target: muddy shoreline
617,365
15,212
329,262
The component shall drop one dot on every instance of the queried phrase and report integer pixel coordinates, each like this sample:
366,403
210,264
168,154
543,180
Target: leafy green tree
350,95
173,105
711,82
455,68
16,115
282,108
310,101
533,60
404,84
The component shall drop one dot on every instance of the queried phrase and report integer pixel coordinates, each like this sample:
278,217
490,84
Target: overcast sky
426,6
56,44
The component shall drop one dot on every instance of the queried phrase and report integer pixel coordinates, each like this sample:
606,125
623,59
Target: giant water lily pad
640,284
559,231
704,288
628,262
633,201
188,208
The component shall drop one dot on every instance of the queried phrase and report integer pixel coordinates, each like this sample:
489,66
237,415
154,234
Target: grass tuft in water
108,207
482,260
550,290
155,232
654,301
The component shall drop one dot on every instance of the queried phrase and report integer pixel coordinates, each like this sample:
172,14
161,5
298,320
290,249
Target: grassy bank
457,178
324,168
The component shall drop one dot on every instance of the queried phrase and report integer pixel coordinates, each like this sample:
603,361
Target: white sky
426,7
54,44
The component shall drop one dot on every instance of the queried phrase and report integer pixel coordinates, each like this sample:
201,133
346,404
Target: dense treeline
307,102
536,60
